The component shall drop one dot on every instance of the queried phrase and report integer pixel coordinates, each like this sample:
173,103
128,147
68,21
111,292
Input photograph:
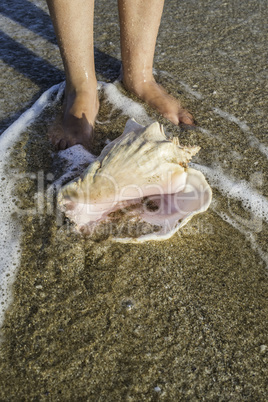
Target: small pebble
263,348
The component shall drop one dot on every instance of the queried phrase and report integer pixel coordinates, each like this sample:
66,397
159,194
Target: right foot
158,98
75,125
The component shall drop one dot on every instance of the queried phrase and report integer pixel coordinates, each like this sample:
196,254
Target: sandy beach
179,320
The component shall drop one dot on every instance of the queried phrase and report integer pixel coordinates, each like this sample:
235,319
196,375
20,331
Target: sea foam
73,160
9,226
240,190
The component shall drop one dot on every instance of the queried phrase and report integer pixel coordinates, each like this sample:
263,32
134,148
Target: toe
62,144
173,117
186,118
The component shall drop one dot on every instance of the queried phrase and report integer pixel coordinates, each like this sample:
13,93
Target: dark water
184,319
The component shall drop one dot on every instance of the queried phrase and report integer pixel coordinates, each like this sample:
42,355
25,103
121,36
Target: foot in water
75,125
157,97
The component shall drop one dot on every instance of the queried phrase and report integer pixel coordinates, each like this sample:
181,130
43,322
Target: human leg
139,23
73,24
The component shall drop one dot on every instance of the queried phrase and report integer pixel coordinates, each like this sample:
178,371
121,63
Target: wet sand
179,320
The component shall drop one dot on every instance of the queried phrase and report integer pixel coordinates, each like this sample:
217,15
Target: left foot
158,98
75,124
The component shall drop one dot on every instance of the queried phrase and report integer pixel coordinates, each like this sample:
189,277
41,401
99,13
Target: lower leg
139,23
73,24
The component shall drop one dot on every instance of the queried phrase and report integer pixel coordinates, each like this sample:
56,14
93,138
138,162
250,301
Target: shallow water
184,319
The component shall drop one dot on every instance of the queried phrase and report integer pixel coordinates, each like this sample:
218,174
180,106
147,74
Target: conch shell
141,179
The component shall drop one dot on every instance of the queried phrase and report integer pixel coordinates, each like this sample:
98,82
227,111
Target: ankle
81,101
82,96
84,88
138,82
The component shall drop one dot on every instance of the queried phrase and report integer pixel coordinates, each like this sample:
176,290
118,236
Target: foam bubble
254,142
74,160
239,190
9,226
228,116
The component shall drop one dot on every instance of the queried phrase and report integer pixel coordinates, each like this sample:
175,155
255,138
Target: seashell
142,180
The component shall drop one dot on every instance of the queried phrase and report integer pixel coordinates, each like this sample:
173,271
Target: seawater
72,160
9,225
75,158
184,318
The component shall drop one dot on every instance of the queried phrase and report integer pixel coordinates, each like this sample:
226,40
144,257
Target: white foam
9,227
239,190
254,142
228,116
77,156
263,148
74,160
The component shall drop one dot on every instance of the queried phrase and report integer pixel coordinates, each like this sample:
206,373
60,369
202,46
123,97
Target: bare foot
75,124
157,97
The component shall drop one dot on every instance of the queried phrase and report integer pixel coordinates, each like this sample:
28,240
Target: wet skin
76,123
73,24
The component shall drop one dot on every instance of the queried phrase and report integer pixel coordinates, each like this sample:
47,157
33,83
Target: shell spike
175,141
